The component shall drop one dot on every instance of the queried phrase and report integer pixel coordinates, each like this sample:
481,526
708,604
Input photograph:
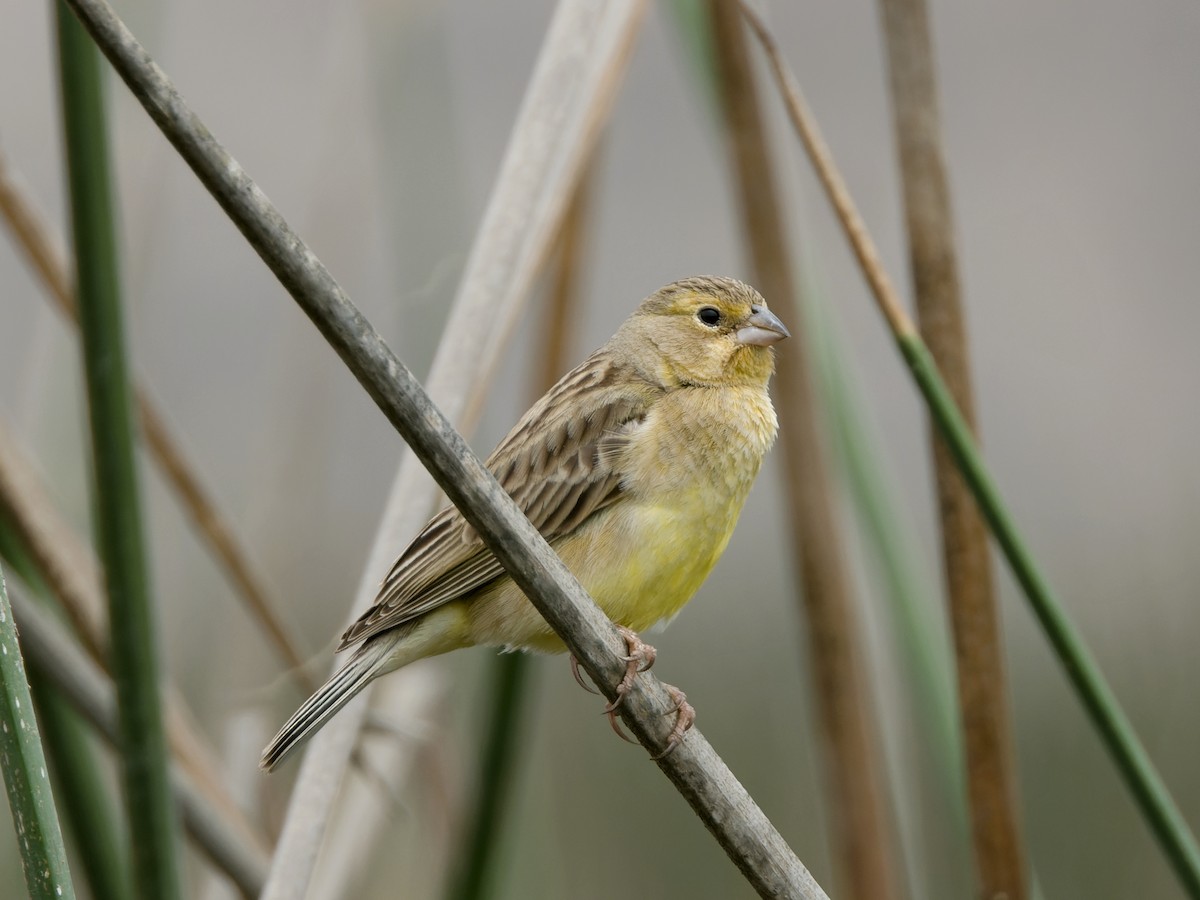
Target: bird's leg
641,657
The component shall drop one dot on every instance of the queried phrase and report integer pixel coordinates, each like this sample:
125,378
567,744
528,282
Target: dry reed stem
978,641
847,215
862,843
33,237
567,101
566,274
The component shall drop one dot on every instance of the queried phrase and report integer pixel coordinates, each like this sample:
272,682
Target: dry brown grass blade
72,576
978,642
567,101
33,237
862,842
68,567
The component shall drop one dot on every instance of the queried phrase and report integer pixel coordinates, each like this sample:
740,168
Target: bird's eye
709,315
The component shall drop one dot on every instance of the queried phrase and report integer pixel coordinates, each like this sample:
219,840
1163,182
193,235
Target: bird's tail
329,698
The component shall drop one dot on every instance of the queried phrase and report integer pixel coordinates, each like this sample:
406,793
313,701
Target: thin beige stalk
568,99
33,237
563,297
978,641
847,214
862,843
69,568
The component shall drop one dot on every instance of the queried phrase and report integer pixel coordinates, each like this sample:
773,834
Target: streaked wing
561,464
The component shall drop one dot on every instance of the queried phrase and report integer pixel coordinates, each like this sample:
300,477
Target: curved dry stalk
857,802
33,237
861,244
982,688
90,690
699,774
72,576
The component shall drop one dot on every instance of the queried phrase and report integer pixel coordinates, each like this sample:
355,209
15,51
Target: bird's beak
762,329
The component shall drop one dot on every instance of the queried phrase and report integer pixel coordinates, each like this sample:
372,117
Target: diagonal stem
569,95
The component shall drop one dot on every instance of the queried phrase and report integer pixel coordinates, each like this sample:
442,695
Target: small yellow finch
634,467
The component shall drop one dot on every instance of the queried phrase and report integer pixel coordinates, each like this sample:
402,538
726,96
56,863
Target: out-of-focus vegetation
377,129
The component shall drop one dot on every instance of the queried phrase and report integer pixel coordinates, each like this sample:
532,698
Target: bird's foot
684,713
685,717
641,657
578,676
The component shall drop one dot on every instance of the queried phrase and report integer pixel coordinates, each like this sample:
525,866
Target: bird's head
708,331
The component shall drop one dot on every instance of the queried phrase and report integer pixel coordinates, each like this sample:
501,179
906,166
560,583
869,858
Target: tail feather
339,690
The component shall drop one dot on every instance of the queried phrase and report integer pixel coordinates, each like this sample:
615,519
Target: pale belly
663,554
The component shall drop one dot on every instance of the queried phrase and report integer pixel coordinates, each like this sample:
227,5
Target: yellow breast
689,468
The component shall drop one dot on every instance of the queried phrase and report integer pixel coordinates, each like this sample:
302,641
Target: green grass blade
1135,766
922,640
29,797
86,803
118,507
98,835
504,735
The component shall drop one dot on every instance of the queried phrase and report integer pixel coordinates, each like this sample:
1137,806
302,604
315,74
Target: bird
634,466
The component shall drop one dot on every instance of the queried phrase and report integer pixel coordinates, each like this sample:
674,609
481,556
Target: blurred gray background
1072,139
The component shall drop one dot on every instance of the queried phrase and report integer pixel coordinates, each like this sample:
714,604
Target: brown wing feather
561,466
